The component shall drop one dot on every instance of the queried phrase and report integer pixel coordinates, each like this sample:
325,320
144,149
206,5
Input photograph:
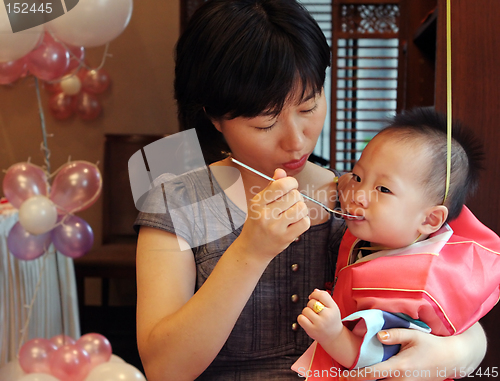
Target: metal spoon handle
306,196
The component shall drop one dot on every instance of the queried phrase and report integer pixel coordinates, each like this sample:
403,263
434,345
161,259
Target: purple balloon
76,186
73,237
26,246
22,181
49,60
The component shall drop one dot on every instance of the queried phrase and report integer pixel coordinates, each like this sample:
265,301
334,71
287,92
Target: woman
249,79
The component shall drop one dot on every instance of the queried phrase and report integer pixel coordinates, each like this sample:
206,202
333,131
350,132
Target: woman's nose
293,138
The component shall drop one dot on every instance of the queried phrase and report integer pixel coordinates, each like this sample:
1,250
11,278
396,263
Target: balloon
115,371
92,22
12,71
76,55
60,340
113,358
49,60
69,363
62,106
22,181
73,237
71,85
38,377
34,355
87,106
95,81
52,87
11,371
16,45
26,246
76,186
38,215
97,346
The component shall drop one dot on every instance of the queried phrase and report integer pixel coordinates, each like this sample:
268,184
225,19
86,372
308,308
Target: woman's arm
427,357
179,332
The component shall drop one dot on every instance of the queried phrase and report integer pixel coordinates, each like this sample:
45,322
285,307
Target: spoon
350,216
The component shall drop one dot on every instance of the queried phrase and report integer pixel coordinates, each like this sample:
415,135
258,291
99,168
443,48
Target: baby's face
386,190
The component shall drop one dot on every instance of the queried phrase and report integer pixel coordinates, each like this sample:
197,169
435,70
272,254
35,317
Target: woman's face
267,142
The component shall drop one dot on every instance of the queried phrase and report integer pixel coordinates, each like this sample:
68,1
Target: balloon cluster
62,358
46,213
77,94
55,51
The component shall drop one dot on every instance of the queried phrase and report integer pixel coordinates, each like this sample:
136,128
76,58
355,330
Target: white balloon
71,85
115,371
92,22
115,358
38,377
11,371
16,45
38,215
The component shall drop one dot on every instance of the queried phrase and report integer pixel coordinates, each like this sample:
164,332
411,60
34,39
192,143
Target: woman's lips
296,163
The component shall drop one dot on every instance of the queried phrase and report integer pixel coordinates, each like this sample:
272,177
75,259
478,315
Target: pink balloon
76,186
49,60
34,356
73,237
69,363
88,106
22,181
62,106
26,246
95,81
61,340
97,346
12,71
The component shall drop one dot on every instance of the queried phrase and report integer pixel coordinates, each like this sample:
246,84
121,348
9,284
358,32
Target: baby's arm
327,329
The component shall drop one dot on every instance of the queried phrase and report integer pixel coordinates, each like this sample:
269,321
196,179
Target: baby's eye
356,178
383,189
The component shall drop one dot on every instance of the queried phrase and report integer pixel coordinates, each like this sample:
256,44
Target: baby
400,258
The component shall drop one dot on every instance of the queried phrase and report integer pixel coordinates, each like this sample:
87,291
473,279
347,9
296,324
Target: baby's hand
325,325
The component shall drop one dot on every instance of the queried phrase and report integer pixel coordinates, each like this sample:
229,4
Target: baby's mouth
353,216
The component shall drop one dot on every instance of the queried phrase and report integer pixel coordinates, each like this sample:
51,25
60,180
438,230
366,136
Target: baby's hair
427,129
243,58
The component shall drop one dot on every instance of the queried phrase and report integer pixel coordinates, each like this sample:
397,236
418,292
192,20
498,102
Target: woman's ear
435,218
214,121
217,124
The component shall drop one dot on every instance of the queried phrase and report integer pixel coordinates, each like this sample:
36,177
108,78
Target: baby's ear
435,218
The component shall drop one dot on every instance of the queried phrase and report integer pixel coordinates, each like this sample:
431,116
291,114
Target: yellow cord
448,98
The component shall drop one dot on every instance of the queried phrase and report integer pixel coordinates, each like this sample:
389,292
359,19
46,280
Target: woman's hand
426,357
276,217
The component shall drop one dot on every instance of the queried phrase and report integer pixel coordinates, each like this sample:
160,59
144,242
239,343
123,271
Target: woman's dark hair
242,58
